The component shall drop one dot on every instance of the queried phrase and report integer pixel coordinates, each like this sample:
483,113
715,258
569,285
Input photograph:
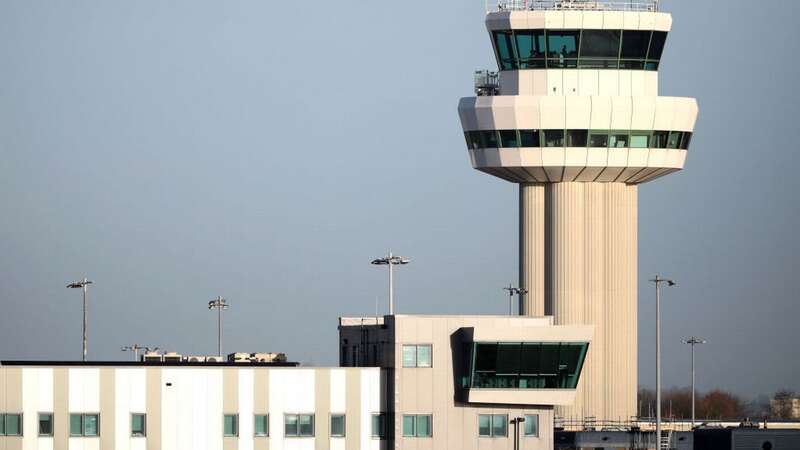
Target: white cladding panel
338,391
84,390
370,403
37,396
246,425
130,396
191,409
290,391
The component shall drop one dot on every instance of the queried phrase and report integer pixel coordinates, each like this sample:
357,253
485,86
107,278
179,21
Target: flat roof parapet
571,5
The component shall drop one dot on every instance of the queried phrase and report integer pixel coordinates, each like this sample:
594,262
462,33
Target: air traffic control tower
575,118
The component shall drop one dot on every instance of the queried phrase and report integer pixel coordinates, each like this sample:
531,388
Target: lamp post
83,284
657,281
135,349
693,341
390,260
512,291
219,304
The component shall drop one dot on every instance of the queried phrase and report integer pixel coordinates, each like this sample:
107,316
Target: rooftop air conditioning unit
196,359
239,357
151,357
172,357
268,357
213,359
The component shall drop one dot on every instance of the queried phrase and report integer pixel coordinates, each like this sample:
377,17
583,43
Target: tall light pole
219,304
83,284
512,291
693,341
657,281
390,260
135,349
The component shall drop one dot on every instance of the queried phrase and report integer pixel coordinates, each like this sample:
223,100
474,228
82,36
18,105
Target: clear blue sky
267,151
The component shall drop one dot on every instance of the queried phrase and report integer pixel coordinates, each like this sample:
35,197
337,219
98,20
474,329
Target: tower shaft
578,254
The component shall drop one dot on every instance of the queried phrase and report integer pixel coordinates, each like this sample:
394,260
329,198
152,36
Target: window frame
144,425
297,433
343,416
528,417
235,432
416,348
382,427
83,424
492,418
266,425
415,418
39,424
21,425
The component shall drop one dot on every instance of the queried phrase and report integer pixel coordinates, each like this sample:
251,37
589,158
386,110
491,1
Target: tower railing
571,5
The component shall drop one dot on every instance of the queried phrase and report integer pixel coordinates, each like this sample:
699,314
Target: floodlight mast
693,341
657,281
512,291
219,304
135,349
82,284
391,260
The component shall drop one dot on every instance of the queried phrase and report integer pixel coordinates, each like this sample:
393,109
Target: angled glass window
553,138
600,49
506,53
634,44
527,365
337,425
409,356
509,138
485,425
45,424
489,138
531,49
674,140
687,138
640,139
499,425
476,139
598,138
657,45
618,139
138,425
562,48
230,425
261,425
577,138
659,139
532,425
529,138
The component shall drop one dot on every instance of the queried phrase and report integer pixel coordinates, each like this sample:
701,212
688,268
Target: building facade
575,118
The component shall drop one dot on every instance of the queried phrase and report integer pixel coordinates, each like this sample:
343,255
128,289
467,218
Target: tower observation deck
574,117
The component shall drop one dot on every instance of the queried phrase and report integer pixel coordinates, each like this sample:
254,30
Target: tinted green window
424,426
138,425
529,138
600,49
508,138
2,424
687,137
562,48
474,138
553,138
530,49
75,425
598,139
378,427
91,425
499,425
532,425
634,44
489,138
13,425
306,424
409,356
290,425
409,426
231,425
576,138
528,365
660,139
618,139
484,425
45,424
657,45
424,358
639,139
674,140
261,425
504,45
337,425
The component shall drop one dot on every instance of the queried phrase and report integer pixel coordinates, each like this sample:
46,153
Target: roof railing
571,5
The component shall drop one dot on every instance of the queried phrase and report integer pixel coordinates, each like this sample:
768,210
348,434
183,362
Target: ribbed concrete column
531,248
590,256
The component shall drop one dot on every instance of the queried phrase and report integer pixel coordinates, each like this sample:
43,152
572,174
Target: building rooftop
52,363
571,5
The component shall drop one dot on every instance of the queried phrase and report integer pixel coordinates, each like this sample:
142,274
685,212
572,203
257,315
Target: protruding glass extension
527,365
584,49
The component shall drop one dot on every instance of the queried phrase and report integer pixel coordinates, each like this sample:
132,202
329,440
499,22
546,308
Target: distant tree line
676,403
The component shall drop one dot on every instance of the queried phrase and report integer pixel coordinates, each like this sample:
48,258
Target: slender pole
219,329
391,286
510,297
692,385
658,362
84,318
